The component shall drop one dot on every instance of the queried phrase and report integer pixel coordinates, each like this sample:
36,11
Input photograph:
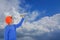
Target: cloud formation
46,24
37,30
47,28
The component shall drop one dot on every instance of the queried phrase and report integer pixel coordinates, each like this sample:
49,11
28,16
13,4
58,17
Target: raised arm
20,23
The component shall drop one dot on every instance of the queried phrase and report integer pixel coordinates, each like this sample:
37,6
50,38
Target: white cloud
46,24
32,16
8,7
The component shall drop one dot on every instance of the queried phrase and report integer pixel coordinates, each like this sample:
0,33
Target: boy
10,29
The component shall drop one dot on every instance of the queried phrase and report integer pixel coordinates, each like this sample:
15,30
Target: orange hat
8,19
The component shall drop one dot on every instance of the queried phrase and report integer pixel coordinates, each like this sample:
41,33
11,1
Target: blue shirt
10,31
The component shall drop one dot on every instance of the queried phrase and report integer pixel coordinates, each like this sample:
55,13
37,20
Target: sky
42,18
44,7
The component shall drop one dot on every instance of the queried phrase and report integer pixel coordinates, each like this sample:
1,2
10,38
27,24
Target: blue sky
42,20
50,7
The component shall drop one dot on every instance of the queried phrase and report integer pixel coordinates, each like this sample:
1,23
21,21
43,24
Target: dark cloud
1,34
55,35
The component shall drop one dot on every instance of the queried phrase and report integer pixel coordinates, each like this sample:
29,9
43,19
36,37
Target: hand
22,16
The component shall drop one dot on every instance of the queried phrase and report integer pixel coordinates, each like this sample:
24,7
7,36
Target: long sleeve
20,23
6,34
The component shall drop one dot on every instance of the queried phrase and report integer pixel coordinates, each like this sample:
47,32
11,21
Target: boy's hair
8,19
